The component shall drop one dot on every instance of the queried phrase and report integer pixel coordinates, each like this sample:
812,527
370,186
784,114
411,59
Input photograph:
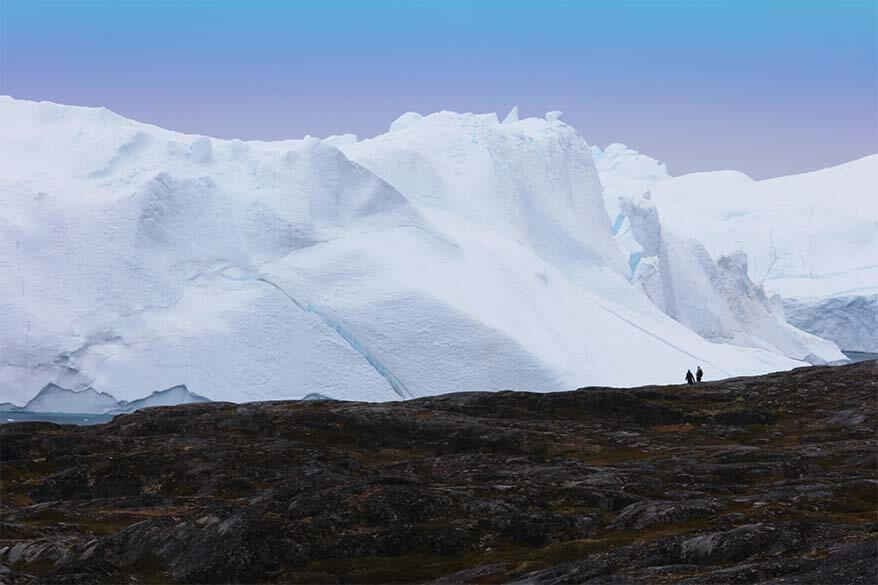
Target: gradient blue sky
768,88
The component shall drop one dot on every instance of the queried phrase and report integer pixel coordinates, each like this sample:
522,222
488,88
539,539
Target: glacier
811,239
452,253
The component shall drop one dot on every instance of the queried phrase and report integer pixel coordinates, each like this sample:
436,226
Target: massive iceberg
452,253
714,297
810,238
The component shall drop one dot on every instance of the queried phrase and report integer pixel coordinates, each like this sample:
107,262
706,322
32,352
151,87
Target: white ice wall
454,253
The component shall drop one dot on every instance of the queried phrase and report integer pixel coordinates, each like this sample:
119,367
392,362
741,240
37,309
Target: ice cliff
452,253
811,239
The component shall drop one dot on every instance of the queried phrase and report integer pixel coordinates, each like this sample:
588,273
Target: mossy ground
491,487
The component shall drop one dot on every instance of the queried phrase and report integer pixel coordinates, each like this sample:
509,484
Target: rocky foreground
770,479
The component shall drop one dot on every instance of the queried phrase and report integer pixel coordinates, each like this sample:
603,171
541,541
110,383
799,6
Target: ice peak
339,139
512,116
405,121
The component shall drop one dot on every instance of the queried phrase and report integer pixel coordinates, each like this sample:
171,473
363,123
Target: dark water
859,356
61,418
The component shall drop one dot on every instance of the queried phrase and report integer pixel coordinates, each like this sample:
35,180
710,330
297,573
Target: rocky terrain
770,479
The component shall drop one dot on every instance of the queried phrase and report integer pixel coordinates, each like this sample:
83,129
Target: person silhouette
690,379
698,374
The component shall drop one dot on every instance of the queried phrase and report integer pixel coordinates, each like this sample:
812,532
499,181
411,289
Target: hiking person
690,379
698,374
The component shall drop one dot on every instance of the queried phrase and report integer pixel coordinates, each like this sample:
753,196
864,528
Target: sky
768,88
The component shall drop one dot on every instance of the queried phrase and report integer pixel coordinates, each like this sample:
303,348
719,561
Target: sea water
61,418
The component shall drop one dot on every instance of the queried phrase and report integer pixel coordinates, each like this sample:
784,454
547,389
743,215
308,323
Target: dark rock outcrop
770,479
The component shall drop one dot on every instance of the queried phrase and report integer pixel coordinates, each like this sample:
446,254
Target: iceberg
452,253
53,398
811,235
169,397
716,299
811,239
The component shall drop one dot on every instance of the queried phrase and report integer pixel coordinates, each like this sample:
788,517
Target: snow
452,253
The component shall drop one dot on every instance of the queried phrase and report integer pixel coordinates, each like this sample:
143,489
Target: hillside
764,479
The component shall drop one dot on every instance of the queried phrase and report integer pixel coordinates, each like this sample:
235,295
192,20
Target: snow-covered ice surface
452,253
811,237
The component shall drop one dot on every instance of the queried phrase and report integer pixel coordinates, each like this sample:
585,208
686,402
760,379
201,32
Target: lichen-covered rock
657,484
656,513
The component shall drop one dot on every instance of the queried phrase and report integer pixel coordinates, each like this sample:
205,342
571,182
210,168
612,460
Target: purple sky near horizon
767,88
